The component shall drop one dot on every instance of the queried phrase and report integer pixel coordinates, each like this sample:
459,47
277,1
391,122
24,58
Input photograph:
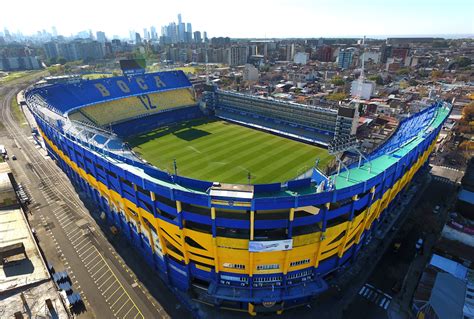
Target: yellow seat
135,106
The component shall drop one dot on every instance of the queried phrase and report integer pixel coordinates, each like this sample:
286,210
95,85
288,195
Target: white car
419,244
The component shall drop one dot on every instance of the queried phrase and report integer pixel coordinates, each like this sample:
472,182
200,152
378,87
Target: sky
245,18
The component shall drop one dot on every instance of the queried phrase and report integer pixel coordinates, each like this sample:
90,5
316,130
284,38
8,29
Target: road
396,276
105,270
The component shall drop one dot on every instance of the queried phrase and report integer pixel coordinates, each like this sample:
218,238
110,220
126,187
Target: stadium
226,197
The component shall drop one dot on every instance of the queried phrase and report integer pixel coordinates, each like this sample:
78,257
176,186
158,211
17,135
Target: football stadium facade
256,248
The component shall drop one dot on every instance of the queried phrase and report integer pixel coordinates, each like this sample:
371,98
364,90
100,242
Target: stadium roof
381,163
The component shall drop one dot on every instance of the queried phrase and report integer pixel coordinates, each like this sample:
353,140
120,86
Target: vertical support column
182,234
214,240
251,261
340,253
139,222
366,215
252,221
291,217
317,254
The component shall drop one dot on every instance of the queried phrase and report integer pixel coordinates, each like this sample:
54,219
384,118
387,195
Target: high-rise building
138,38
237,55
179,18
197,37
301,58
146,35
290,51
324,53
181,32
205,37
171,32
100,35
189,28
400,52
154,35
385,53
55,31
344,59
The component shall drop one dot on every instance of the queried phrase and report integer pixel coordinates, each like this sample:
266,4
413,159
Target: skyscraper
171,32
145,34
138,39
154,35
197,37
55,31
344,59
101,37
181,32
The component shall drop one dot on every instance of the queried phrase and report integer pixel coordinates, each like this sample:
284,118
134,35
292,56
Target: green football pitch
216,150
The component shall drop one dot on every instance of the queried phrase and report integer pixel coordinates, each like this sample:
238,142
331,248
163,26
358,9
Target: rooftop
15,229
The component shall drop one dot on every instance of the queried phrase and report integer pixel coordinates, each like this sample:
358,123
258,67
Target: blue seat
66,97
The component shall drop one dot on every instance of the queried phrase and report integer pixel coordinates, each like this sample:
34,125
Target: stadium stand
147,123
406,130
259,248
81,117
275,126
316,118
65,98
136,106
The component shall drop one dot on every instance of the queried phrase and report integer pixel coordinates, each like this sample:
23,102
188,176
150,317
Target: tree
463,61
440,44
337,81
52,61
435,74
336,96
56,70
403,84
403,71
62,60
377,78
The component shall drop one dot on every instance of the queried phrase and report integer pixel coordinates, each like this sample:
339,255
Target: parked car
419,246
436,209
14,157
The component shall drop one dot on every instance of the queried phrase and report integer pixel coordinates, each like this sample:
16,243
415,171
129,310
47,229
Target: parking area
81,237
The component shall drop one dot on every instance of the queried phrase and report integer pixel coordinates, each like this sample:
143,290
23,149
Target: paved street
72,240
389,289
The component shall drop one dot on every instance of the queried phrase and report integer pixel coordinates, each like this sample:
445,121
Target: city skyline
278,19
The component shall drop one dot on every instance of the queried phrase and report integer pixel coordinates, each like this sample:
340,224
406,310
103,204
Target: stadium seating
64,98
318,118
132,107
148,123
407,129
81,117
273,125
